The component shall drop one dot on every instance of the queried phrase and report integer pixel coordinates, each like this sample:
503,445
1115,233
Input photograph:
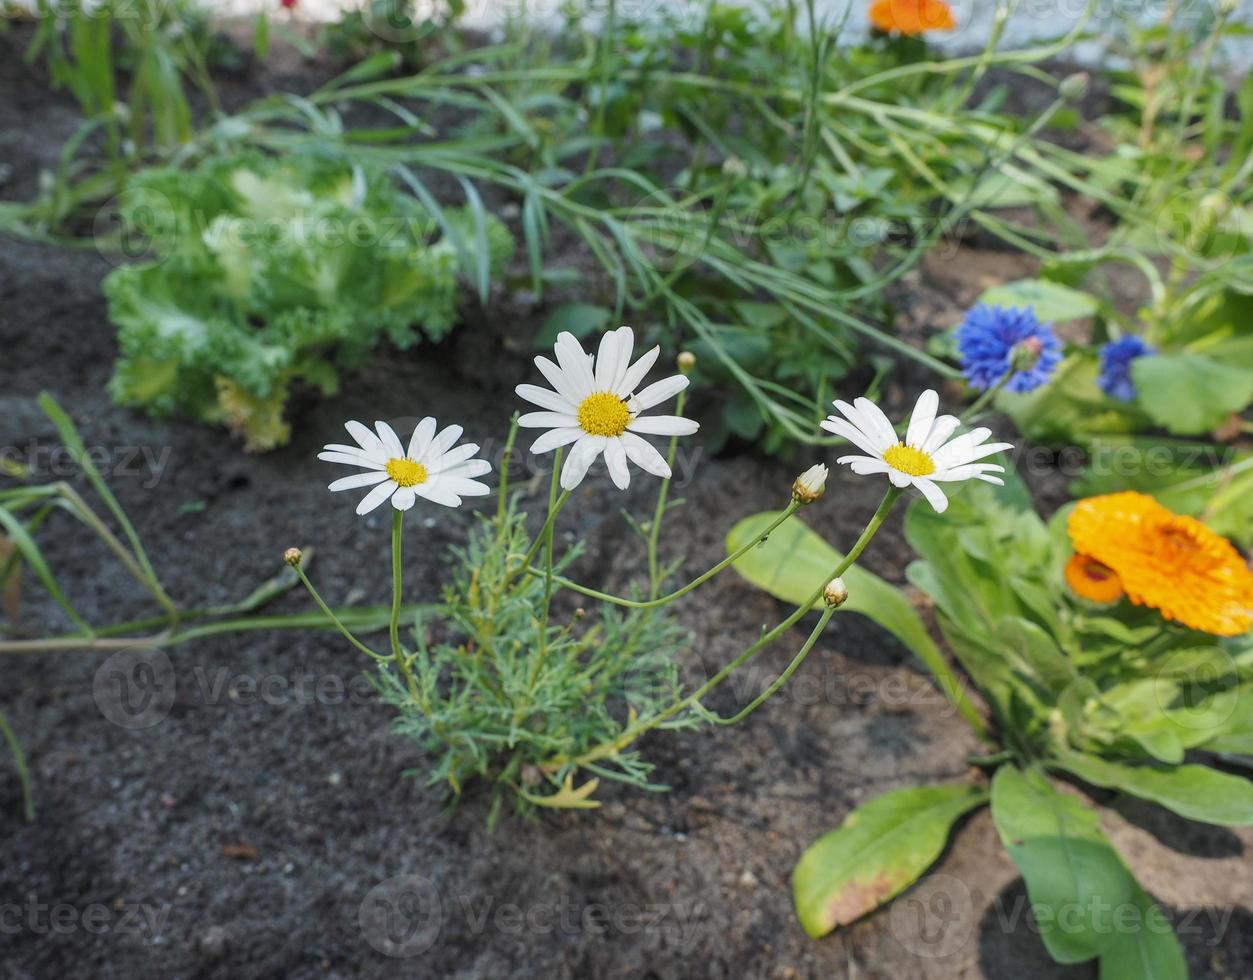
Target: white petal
626,347
391,441
635,373
607,366
994,480
863,465
463,487
663,425
351,460
404,498
445,441
376,497
921,419
547,420
616,460
862,440
967,471
553,438
366,439
420,441
454,456
873,440
880,424
356,452
545,398
658,392
358,480
643,455
935,496
898,478
438,492
580,460
466,471
967,448
941,429
576,365
557,378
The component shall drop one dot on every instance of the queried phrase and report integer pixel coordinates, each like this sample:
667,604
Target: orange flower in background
1163,560
911,17
1092,580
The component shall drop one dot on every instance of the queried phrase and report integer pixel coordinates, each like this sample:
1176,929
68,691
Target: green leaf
1192,791
879,850
794,562
1187,393
1050,300
1144,946
1075,879
579,319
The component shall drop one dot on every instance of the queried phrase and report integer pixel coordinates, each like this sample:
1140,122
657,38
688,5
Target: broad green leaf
879,850
1193,791
579,319
1050,300
1075,879
794,562
1187,393
1144,946
1071,408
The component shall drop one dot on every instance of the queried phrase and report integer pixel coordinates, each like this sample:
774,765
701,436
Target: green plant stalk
339,625
659,512
23,773
399,656
553,485
782,678
525,565
701,579
634,731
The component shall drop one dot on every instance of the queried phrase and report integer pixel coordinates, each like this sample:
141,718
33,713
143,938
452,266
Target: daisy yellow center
909,460
406,472
603,414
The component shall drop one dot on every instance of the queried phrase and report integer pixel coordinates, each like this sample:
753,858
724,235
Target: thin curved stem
701,579
633,732
330,614
782,678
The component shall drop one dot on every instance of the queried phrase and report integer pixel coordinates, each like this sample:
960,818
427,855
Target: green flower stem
566,583
654,530
553,511
785,676
399,656
606,749
547,537
982,402
369,618
23,773
330,614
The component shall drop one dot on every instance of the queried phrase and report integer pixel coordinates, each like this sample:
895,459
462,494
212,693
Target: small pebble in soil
747,879
213,942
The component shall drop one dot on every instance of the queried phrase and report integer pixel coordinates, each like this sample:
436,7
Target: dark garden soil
241,836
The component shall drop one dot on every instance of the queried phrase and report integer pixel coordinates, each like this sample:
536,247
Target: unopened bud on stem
292,556
836,593
687,362
810,485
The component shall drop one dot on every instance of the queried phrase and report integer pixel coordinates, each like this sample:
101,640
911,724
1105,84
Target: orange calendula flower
1092,580
1172,563
911,17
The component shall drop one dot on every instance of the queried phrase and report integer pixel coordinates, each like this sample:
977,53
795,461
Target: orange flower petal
1170,563
1093,581
911,17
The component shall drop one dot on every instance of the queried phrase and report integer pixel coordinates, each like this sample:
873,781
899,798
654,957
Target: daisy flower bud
292,556
1074,87
686,362
810,485
836,593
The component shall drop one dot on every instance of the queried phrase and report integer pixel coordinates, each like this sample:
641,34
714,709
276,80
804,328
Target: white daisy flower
596,407
925,457
430,467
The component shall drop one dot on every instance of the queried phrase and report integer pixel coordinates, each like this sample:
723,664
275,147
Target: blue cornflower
995,340
1116,357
